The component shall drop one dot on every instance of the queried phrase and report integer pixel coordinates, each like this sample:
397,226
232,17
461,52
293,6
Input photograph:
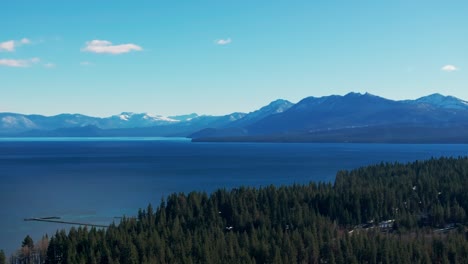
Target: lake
93,180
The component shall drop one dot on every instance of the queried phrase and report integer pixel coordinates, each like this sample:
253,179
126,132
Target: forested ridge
385,213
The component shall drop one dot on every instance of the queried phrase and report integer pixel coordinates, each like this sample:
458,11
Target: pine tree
2,257
27,242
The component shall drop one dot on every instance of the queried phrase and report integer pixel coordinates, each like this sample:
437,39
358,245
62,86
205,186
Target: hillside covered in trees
385,213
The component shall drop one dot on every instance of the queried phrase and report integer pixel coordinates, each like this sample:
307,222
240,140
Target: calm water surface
93,180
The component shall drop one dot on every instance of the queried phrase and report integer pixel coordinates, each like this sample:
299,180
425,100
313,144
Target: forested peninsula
384,213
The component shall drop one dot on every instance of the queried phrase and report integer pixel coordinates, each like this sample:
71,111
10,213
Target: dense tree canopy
423,203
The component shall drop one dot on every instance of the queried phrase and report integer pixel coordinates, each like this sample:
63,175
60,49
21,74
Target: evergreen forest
384,213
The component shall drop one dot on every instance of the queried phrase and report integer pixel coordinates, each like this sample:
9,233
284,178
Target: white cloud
49,65
223,41
10,45
19,63
25,41
85,63
449,68
104,46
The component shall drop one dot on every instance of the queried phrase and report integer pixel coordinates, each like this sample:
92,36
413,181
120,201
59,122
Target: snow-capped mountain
438,100
129,120
128,116
184,117
15,122
354,116
275,107
362,110
11,122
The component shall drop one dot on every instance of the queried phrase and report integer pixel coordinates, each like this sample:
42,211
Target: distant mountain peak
123,117
278,103
277,106
128,116
355,94
435,95
339,101
442,101
363,95
187,117
370,94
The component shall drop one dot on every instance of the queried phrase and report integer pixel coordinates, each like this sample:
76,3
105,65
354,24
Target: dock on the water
56,219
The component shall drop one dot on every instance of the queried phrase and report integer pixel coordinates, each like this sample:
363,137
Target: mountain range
353,117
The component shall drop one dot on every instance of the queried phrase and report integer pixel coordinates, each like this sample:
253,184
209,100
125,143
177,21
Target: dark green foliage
2,257
294,224
432,192
27,242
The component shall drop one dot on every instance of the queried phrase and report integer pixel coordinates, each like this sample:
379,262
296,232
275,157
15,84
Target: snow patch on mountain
16,122
275,107
159,118
123,117
188,117
441,101
145,117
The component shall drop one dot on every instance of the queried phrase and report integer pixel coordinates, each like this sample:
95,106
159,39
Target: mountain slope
356,110
236,128
11,123
332,118
440,101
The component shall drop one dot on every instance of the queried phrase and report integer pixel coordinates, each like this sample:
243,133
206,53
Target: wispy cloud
104,46
49,65
223,41
86,63
25,41
10,45
449,68
19,63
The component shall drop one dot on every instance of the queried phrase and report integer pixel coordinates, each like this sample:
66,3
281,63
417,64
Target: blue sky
215,57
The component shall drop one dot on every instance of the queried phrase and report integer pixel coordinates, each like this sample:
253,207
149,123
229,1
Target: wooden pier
56,219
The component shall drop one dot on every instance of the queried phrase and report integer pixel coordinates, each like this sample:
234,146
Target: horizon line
229,113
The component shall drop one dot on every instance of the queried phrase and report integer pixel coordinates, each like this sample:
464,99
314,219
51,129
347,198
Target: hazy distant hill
353,117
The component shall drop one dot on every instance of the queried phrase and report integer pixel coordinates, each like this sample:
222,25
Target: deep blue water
93,180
